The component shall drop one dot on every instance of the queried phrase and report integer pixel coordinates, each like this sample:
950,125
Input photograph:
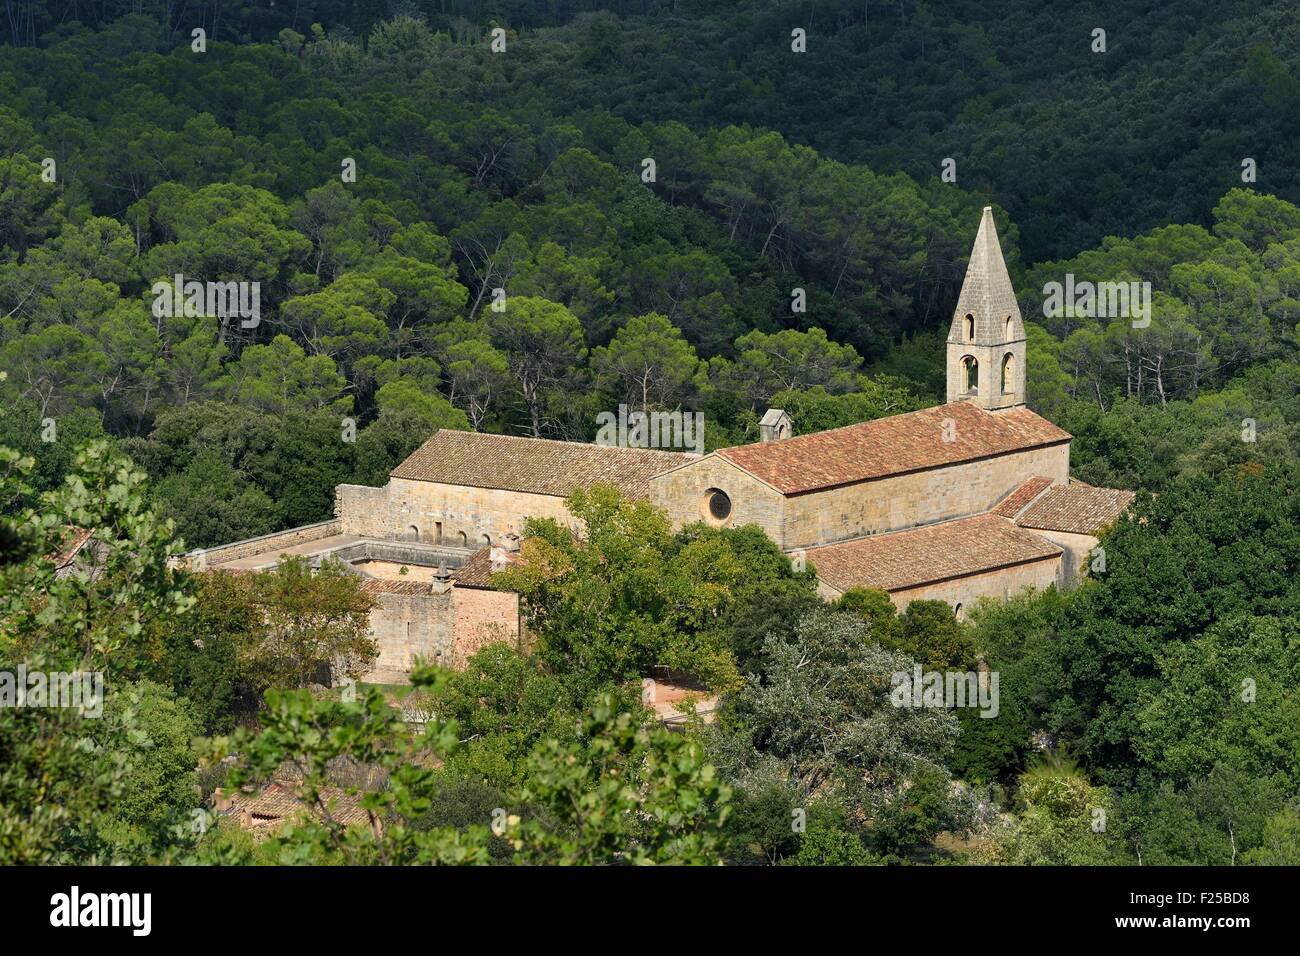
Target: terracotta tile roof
477,571
1076,508
951,549
279,802
376,586
536,465
889,446
1018,500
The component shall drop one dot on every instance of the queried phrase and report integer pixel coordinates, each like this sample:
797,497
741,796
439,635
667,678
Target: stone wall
1077,557
922,497
250,547
851,511
480,515
483,617
362,510
407,626
682,493
965,591
445,625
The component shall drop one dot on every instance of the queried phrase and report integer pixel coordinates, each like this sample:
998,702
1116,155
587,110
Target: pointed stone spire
986,342
986,292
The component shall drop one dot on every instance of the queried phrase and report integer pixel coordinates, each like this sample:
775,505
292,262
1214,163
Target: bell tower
986,344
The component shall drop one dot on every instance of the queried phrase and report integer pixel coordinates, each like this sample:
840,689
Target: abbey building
967,500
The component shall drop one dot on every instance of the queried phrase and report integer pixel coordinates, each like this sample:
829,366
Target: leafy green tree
30,205
1280,842
61,801
772,363
127,594
649,364
310,623
318,733
386,442
823,712
214,503
305,460
58,368
152,730
478,374
815,409
281,377
773,610
403,397
1214,821
829,845
503,705
342,320
1065,821
204,650
626,594
929,632
221,232
1207,549
1225,700
622,794
543,343
875,607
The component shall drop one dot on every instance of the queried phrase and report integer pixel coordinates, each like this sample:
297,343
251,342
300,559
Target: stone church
967,500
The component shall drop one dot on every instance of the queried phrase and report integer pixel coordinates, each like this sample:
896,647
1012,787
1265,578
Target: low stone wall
404,552
266,542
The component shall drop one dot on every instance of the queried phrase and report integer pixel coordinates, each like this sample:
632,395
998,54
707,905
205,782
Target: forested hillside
472,173
1076,145
385,177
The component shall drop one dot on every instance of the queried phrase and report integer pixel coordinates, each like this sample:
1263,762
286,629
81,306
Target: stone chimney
774,425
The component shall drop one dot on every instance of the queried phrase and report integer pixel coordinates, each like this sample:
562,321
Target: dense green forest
127,157
228,165
1076,145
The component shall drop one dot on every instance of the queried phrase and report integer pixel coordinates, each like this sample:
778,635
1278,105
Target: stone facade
409,626
442,624
905,501
867,507
963,592
438,513
683,493
484,617
1076,558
